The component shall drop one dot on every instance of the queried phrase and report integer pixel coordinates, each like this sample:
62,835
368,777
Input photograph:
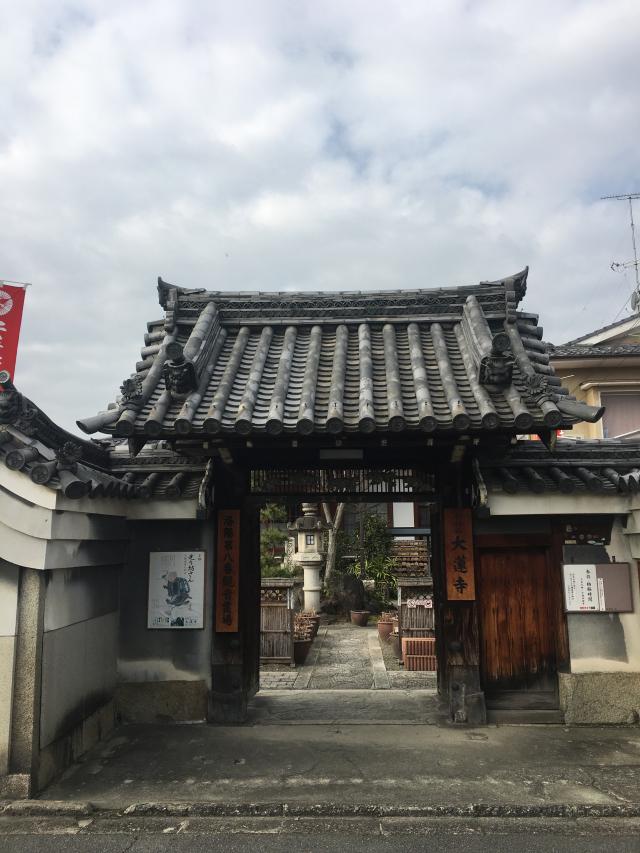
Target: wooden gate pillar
462,650
459,647
236,636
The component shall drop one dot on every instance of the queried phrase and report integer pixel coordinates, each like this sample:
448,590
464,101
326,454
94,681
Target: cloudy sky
266,144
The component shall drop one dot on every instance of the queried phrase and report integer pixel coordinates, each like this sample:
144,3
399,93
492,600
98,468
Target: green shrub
272,540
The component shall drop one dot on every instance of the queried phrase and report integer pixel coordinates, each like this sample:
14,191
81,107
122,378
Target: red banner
11,305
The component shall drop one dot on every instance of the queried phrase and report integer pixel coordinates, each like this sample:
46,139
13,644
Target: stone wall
600,698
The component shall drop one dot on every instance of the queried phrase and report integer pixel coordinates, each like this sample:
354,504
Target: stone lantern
308,531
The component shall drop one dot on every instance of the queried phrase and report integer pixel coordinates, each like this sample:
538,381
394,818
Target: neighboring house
602,368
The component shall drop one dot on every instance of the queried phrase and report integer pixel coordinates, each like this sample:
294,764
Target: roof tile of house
600,467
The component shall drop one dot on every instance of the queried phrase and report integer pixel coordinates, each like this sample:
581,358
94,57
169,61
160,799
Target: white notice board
580,588
176,589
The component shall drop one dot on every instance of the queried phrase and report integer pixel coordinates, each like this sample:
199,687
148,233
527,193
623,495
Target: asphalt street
313,835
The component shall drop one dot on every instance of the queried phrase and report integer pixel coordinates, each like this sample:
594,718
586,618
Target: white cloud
304,145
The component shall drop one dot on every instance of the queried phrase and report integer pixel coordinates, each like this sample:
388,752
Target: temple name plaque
228,571
458,555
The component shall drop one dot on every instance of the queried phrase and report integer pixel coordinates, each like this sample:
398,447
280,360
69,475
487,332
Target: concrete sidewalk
322,767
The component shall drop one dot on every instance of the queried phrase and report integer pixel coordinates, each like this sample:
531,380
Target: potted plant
312,617
385,625
360,617
303,634
394,638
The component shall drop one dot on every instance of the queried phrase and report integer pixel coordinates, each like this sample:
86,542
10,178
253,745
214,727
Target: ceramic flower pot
384,629
395,644
360,617
301,650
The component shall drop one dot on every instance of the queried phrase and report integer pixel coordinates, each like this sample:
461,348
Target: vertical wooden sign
228,570
458,555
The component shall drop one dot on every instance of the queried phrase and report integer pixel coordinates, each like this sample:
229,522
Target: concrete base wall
161,701
61,753
15,786
9,576
78,674
594,698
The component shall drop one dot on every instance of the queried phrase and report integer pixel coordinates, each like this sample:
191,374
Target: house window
310,539
622,413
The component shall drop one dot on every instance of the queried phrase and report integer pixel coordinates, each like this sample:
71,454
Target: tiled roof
411,557
589,467
593,350
32,444
459,359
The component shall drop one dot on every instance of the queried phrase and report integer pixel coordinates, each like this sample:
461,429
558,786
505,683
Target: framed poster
601,587
176,589
580,588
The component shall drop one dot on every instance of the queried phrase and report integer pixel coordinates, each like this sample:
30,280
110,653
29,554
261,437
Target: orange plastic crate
420,663
418,646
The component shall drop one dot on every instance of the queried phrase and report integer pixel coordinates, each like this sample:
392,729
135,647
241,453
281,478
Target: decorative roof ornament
69,454
179,373
15,409
131,390
10,403
169,301
496,370
537,387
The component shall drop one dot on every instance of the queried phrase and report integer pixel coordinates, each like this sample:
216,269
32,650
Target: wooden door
518,612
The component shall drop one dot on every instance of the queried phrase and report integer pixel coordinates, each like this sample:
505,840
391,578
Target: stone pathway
344,657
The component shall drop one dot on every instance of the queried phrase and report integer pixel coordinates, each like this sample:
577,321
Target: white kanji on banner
11,304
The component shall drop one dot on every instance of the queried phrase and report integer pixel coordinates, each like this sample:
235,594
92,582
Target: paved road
319,836
388,764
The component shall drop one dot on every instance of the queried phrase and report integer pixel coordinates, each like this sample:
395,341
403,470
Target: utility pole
630,198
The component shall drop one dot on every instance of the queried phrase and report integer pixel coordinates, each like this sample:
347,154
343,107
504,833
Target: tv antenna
618,266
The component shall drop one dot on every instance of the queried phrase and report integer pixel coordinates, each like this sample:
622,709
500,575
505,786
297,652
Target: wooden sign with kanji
458,555
228,570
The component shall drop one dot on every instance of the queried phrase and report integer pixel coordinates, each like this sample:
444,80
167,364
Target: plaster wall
607,642
595,373
162,673
503,504
9,579
22,549
35,553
